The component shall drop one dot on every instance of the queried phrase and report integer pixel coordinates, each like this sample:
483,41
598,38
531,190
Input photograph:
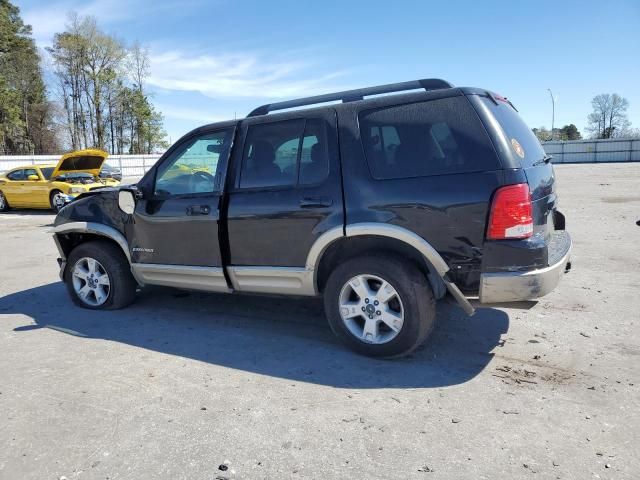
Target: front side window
197,166
438,137
287,153
16,175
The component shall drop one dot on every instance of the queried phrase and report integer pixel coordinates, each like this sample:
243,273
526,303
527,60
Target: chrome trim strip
517,286
97,229
210,279
278,280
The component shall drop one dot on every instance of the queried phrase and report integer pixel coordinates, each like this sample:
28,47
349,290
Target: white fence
591,151
130,165
578,151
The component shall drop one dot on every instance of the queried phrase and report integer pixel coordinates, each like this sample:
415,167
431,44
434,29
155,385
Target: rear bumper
502,287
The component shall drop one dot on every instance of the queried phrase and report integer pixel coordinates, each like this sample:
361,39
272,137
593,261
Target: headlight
77,190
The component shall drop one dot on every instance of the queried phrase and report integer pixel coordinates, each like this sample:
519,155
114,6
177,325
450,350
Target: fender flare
96,229
391,231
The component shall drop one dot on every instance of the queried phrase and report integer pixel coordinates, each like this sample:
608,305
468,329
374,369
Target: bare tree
609,116
101,86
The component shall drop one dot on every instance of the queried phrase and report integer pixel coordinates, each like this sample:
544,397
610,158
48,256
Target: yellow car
53,186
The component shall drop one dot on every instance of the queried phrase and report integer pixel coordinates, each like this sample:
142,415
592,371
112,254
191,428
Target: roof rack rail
353,95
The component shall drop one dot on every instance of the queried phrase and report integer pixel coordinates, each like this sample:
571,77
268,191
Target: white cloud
237,75
52,18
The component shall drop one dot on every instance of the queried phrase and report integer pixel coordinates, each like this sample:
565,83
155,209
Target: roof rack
353,95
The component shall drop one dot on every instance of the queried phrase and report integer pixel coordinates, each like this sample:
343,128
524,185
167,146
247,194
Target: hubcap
371,309
2,201
91,281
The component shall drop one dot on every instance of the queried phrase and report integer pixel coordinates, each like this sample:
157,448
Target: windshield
523,141
46,172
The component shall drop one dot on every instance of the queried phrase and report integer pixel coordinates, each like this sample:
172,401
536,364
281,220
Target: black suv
383,205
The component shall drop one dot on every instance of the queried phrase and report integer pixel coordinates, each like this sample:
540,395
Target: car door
174,234
13,188
286,193
34,192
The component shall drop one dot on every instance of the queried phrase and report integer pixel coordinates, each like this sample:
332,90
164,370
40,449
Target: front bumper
503,287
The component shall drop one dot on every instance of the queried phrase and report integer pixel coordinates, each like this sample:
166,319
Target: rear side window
287,153
438,137
522,140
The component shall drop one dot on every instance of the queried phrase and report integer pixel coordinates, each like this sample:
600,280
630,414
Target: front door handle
315,202
199,210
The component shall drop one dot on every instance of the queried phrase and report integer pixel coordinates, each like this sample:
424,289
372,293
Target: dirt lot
181,384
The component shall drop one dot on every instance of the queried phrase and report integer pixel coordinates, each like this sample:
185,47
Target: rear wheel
4,205
98,276
56,200
379,305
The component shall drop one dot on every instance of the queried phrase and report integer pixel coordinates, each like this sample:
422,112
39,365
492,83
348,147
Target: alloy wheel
58,201
91,281
371,309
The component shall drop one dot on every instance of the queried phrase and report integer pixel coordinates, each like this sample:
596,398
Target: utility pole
553,111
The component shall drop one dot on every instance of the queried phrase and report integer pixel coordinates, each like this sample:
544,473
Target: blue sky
211,60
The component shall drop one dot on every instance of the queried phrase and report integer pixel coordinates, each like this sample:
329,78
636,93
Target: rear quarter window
523,142
437,137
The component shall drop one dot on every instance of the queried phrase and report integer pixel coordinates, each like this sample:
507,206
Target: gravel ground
195,386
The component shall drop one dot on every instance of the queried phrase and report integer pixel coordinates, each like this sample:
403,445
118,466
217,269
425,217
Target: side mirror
33,178
127,201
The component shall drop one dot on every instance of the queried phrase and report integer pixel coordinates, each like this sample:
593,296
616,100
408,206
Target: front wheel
98,276
57,200
380,305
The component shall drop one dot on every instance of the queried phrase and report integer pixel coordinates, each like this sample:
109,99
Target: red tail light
510,215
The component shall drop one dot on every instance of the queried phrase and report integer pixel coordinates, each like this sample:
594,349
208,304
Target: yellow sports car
53,186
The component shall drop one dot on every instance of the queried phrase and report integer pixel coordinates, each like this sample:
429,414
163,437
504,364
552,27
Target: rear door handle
315,202
199,210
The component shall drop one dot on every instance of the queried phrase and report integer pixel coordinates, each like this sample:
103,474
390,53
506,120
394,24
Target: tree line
609,119
26,115
98,98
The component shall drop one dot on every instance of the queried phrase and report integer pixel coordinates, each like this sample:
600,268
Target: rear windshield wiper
545,159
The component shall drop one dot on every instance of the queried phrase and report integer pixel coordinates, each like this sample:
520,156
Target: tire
4,205
121,289
52,195
413,300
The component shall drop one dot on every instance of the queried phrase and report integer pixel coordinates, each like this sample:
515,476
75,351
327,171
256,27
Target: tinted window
270,154
428,138
31,171
46,172
314,157
517,132
285,154
196,166
17,175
